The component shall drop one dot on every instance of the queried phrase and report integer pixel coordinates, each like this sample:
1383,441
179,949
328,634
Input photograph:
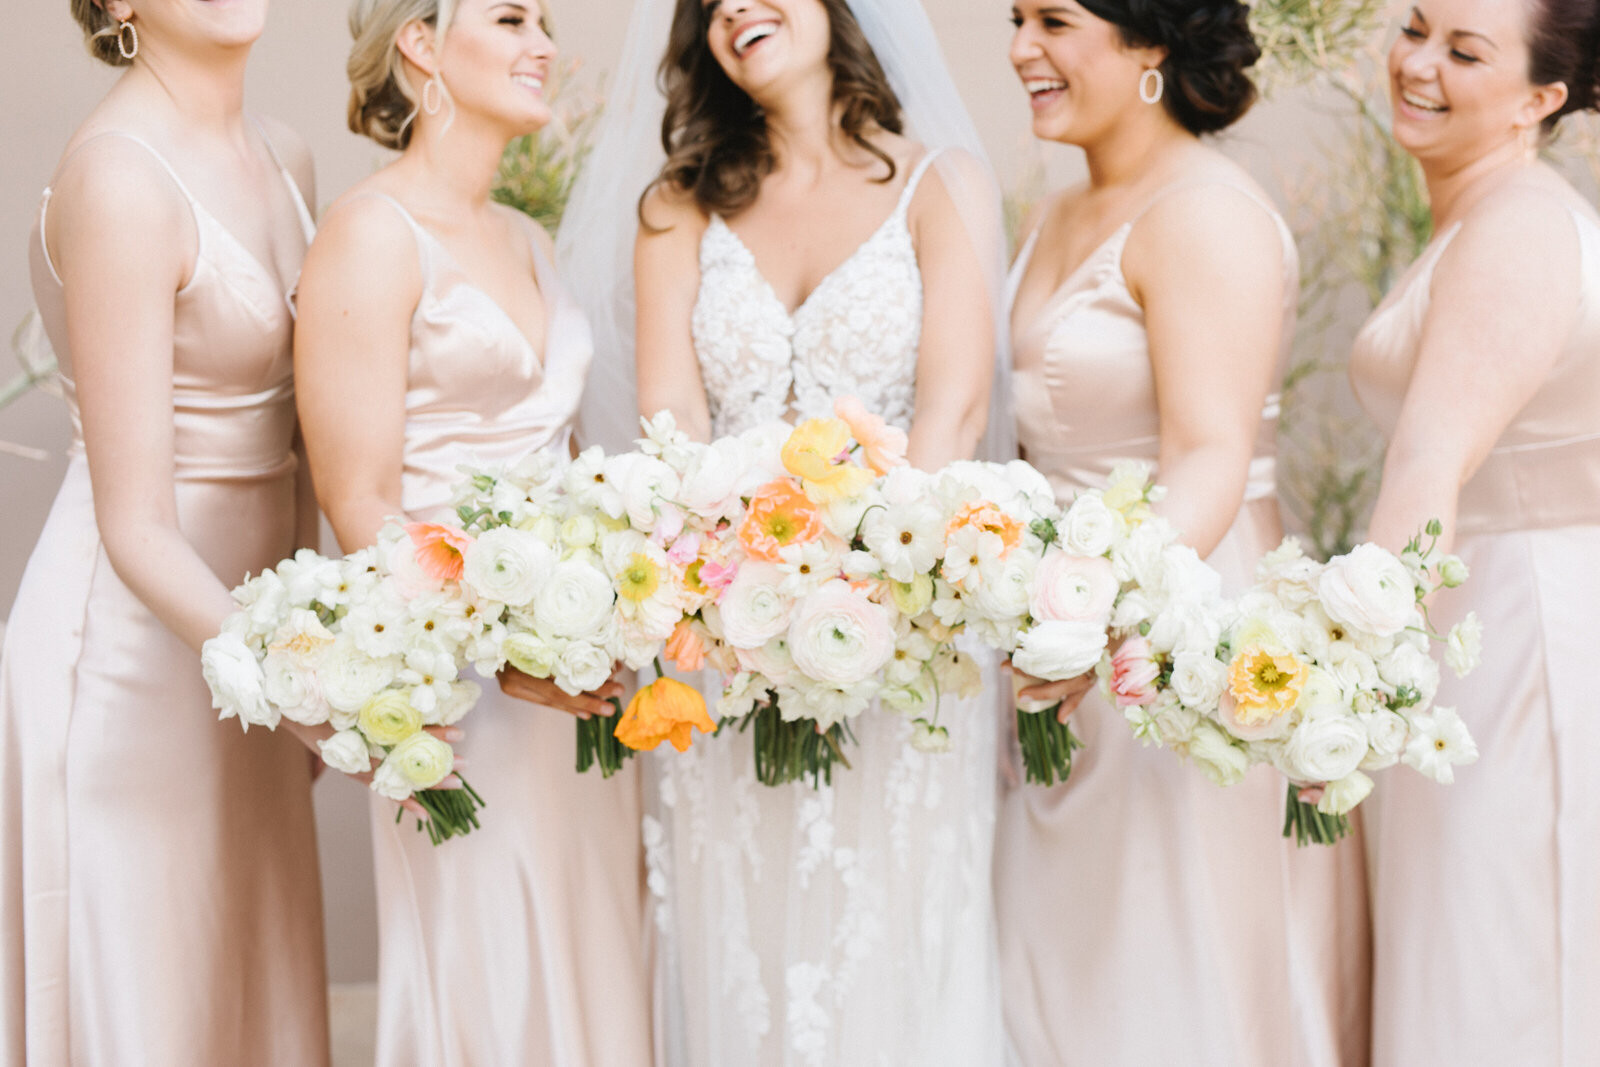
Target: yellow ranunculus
388,718
664,710
816,453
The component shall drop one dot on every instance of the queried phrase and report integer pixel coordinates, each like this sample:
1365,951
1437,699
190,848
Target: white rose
508,565
1406,668
838,637
1198,679
421,761
1386,738
346,752
1369,590
236,680
582,668
1324,748
1058,650
753,607
291,686
1341,797
1089,527
1464,646
1214,754
575,601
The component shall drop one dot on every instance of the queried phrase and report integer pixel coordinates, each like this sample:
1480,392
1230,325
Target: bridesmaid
1482,368
1152,309
434,332
158,887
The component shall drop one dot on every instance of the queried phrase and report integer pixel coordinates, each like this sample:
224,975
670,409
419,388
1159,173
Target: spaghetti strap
308,224
910,190
419,233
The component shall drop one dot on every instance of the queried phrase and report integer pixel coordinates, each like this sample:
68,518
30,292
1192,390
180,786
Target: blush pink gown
524,942
159,894
1486,892
1146,915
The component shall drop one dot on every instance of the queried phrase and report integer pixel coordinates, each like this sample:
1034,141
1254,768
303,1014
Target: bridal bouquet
1068,582
574,589
371,644
1322,670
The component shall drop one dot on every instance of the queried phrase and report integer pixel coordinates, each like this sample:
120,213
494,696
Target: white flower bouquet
1322,670
371,644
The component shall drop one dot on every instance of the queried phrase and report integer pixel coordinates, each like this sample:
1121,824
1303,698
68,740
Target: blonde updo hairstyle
99,32
383,104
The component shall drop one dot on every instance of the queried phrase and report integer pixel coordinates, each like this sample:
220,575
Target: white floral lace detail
856,334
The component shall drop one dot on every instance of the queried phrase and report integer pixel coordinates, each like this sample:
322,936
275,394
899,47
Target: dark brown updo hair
99,32
1563,36
715,136
1209,47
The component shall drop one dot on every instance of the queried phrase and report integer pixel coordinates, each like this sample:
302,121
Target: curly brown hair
715,136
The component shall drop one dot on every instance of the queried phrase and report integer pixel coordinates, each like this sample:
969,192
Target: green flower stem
597,743
451,812
1047,745
1310,826
793,751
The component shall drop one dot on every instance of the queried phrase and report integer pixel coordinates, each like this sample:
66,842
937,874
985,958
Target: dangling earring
1147,94
432,104
125,30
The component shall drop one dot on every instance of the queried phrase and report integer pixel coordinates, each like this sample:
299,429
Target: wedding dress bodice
855,335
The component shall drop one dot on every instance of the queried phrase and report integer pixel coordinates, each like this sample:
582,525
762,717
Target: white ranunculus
460,699
1055,651
1406,668
1289,574
1186,626
582,668
1341,797
575,602
346,752
291,685
838,637
579,531
711,482
508,565
1464,645
826,704
1198,679
753,607
1007,584
265,600
421,761
1324,748
1353,668
1369,590
349,677
1386,738
1072,588
643,481
236,680
532,654
1213,753
1174,722
772,661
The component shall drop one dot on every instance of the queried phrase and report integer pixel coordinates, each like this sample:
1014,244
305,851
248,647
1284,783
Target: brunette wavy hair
715,136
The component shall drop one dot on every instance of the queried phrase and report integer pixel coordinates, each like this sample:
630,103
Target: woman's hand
1069,693
543,691
312,736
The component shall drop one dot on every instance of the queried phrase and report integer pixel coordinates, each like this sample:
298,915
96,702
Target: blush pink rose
1068,588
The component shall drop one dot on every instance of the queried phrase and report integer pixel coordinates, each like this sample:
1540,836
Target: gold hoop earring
1148,95
125,30
432,104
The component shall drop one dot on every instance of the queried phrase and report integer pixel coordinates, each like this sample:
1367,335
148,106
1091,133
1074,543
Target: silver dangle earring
1146,93
125,31
432,104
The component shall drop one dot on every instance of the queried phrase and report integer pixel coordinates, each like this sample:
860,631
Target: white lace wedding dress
849,924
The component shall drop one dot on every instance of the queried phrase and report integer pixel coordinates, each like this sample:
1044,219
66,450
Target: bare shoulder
295,154
115,186
1226,220
667,209
1527,224
362,236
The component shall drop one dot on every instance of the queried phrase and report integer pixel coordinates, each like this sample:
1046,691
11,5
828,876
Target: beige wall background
49,83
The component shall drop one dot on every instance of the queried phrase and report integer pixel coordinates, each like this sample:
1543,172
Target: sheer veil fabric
595,246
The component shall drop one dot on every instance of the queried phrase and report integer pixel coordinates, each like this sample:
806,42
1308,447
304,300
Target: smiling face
1081,79
763,45
193,25
1458,76
497,57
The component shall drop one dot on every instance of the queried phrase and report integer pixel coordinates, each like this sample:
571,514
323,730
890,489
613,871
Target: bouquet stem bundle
1308,826
1047,745
792,751
451,812
598,744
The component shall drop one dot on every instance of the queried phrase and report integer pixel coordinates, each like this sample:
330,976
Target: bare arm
1503,299
955,361
1207,266
666,275
124,241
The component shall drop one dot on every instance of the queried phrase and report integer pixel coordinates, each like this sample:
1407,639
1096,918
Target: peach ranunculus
882,444
440,550
1134,672
779,515
818,454
664,710
1264,684
685,650
990,519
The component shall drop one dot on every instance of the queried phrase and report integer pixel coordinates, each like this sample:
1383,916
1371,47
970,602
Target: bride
808,236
